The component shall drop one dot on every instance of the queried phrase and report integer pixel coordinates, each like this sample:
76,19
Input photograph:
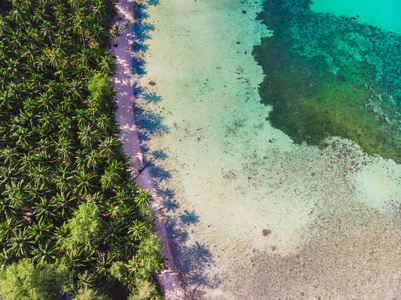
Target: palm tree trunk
83,40
69,159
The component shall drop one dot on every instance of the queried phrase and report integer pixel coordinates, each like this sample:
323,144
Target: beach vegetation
71,219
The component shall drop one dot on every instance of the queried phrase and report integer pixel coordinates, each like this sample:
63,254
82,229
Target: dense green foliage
325,76
67,204
25,282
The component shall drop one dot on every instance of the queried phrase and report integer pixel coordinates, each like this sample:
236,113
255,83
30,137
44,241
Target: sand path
123,82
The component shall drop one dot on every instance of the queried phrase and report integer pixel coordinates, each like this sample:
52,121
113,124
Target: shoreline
123,81
229,176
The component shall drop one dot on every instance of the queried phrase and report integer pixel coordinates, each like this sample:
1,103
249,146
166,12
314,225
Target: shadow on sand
193,259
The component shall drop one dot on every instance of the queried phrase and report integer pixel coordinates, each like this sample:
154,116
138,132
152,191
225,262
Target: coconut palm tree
65,148
59,145
107,65
103,122
66,129
64,203
109,179
28,162
67,104
15,193
93,159
7,208
103,264
8,227
87,136
45,149
101,36
40,175
22,136
114,231
7,173
45,210
109,146
78,22
82,118
47,30
45,253
41,231
20,244
97,199
8,155
64,179
76,90
77,258
5,258
137,230
85,182
99,11
143,198
61,233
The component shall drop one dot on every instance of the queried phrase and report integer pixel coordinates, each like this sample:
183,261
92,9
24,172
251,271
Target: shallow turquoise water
383,14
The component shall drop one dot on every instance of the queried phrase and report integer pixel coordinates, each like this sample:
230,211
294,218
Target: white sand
123,82
334,232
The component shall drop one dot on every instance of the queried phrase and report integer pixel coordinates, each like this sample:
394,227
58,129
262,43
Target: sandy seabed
249,214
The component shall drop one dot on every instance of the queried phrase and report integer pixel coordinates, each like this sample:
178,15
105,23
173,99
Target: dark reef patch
331,76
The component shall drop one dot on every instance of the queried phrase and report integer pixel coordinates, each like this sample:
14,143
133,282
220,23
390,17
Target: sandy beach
123,82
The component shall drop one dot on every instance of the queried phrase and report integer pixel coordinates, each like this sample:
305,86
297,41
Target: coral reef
331,76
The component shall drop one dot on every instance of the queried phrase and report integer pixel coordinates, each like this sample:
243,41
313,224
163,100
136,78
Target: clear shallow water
251,215
384,14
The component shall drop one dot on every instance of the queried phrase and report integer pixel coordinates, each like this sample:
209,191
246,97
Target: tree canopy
67,204
23,281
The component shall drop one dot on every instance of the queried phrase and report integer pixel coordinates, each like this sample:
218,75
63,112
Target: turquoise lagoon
383,14
257,118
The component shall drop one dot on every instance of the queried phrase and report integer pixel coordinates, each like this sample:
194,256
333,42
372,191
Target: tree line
72,223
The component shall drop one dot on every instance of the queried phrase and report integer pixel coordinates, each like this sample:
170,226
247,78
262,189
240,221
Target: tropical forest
72,223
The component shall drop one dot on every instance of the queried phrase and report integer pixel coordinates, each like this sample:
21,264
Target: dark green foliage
65,188
90,294
325,78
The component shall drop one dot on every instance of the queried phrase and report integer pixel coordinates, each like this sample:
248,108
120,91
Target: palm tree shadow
140,12
189,218
169,203
191,258
153,2
138,66
137,89
159,154
159,174
136,46
150,123
152,97
141,28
